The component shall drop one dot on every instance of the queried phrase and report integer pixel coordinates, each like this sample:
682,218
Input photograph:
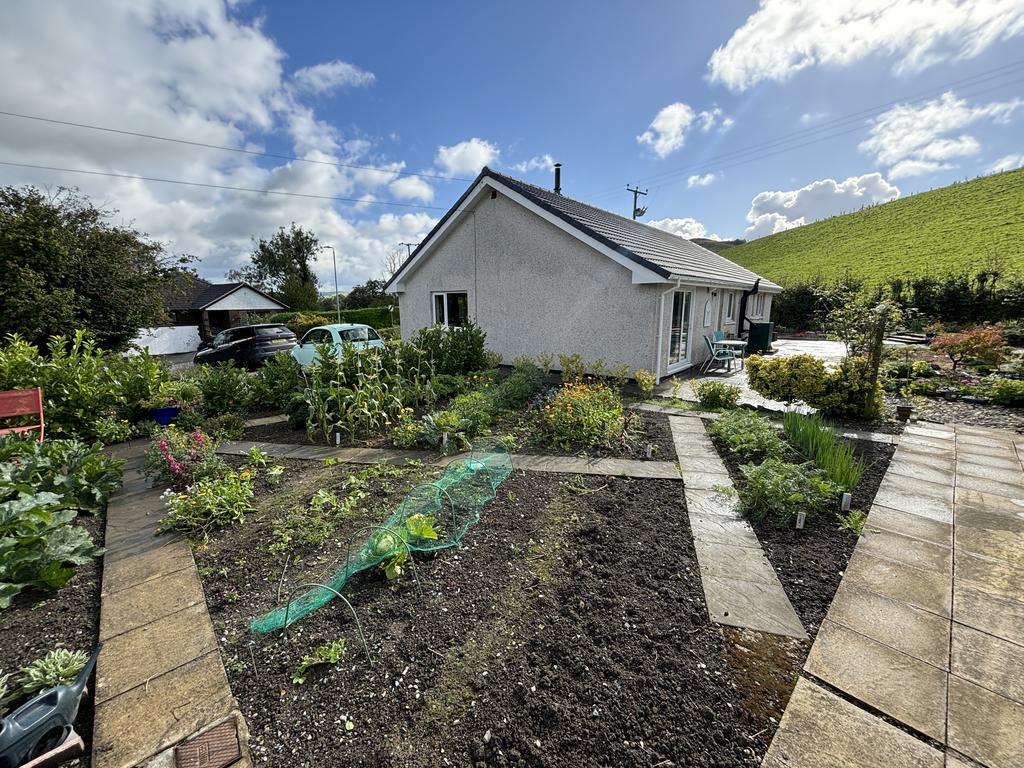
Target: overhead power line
240,150
280,192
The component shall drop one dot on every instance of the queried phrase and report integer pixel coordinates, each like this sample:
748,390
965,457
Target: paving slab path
575,465
741,588
160,680
920,660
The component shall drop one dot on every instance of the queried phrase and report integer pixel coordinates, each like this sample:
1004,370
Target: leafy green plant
321,656
582,414
225,388
787,379
58,667
277,380
716,394
779,491
818,443
422,526
81,475
257,457
853,521
1003,391
573,367
850,390
274,474
227,426
209,503
452,350
748,436
645,382
525,381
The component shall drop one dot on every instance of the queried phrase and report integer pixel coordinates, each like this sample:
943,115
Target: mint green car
361,336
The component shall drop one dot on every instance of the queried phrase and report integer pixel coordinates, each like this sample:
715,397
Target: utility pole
337,293
408,248
637,211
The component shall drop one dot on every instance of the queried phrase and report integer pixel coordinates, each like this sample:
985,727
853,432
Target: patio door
680,336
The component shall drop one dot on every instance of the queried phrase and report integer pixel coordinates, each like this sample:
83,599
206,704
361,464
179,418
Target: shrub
182,458
748,436
210,503
229,426
446,385
1004,391
850,390
225,389
922,369
520,386
572,367
787,379
984,345
645,382
276,381
475,410
138,378
582,414
818,443
716,394
780,491
452,350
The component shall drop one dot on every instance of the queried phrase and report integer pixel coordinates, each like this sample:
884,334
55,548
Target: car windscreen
359,334
273,331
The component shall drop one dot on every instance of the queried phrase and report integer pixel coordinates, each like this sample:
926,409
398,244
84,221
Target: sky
740,118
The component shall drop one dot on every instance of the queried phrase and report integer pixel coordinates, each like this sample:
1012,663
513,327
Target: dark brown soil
38,622
810,562
568,629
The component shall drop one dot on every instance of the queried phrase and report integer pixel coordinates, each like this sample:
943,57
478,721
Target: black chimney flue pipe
558,178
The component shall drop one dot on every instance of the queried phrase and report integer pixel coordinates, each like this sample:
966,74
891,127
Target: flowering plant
181,457
582,414
210,503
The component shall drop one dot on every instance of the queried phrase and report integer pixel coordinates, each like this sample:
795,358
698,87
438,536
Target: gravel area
958,412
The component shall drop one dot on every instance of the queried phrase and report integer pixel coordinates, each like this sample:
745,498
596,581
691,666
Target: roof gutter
744,320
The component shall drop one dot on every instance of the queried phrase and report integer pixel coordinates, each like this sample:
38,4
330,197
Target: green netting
454,501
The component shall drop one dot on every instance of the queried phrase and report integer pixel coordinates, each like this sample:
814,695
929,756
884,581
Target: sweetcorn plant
582,414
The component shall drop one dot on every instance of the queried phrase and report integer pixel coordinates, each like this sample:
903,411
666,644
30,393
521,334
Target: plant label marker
801,517
845,504
337,438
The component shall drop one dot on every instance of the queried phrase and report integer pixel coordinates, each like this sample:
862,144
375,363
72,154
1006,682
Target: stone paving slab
997,616
751,605
930,590
920,469
989,502
904,549
937,509
1000,470
916,487
985,726
1013,491
710,502
988,661
915,526
706,481
743,561
722,529
1000,545
131,570
125,609
821,730
901,686
996,577
907,629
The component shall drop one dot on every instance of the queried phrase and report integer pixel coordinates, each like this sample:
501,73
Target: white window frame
730,306
433,306
759,302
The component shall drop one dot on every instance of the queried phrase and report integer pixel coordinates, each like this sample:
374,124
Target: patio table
736,344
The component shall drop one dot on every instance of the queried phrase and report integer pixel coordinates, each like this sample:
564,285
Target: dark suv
248,346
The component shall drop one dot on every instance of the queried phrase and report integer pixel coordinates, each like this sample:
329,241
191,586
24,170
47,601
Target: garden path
741,589
920,661
665,470
160,680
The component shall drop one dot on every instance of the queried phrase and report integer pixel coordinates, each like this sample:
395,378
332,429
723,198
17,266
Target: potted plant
904,411
169,401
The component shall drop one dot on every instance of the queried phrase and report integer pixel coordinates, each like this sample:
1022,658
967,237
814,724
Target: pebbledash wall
535,289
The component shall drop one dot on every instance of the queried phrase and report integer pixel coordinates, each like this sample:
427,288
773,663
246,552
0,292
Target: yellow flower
182,496
170,426
246,475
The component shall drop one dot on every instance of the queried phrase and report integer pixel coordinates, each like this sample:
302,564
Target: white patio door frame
675,362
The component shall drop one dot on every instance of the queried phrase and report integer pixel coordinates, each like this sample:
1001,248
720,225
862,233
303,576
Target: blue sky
663,95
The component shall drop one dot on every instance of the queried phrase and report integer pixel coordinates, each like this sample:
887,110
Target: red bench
22,402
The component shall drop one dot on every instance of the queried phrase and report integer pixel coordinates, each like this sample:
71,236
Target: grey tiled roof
663,252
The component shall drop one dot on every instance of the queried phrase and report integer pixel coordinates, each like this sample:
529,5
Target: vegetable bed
569,628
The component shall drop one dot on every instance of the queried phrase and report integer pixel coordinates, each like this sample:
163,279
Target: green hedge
378,317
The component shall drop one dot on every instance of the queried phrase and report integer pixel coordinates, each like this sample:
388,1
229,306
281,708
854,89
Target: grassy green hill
966,227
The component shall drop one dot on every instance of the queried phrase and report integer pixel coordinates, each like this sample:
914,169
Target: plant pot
165,415
903,412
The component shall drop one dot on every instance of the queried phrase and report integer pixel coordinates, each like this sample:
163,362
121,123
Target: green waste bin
759,339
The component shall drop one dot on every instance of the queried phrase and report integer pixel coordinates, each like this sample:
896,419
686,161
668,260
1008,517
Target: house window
758,305
730,306
451,309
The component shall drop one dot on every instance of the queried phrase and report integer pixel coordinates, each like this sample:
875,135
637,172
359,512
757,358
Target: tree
369,294
393,260
66,267
282,266
984,345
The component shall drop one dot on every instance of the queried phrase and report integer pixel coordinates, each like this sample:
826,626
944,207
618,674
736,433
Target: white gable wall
246,299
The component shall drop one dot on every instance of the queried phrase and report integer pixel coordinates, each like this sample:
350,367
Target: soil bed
810,562
38,622
568,629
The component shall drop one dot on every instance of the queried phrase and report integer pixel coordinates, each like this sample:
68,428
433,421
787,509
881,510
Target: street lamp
337,293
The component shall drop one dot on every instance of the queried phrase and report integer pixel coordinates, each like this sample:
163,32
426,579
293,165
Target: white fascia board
640,274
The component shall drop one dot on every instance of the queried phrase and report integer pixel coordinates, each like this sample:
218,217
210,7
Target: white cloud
467,157
913,139
543,162
412,188
667,131
807,118
321,78
197,71
775,211
698,180
1007,163
785,36
685,227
